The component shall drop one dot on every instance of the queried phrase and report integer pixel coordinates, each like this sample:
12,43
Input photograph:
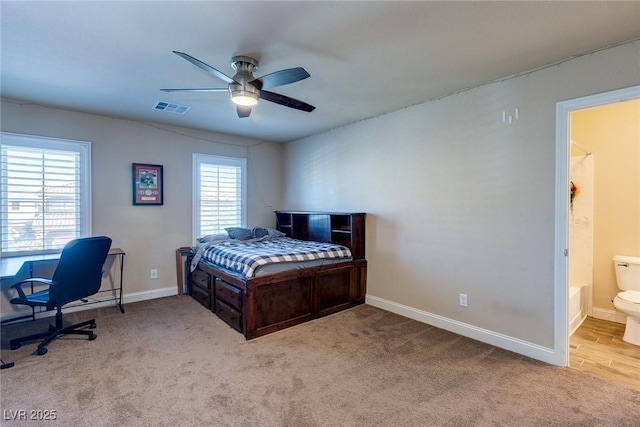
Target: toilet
628,301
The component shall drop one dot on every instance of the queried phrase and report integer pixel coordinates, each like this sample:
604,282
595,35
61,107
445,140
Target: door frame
561,275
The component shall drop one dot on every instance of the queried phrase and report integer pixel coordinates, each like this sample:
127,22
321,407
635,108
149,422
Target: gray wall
148,234
457,200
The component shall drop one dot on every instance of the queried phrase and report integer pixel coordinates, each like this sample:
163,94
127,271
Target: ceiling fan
245,89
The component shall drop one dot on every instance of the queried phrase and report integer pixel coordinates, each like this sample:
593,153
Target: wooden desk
12,268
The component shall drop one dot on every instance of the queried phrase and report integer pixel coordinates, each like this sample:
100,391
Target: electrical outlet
463,300
153,273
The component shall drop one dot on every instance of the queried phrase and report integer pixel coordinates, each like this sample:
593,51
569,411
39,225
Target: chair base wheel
93,326
42,351
93,337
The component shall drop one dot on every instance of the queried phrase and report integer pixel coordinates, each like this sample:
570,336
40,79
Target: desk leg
121,273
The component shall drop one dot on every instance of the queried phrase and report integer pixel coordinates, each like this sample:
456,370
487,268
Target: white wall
457,200
148,234
581,221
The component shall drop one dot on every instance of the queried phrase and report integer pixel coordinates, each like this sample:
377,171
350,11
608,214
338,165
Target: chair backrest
79,271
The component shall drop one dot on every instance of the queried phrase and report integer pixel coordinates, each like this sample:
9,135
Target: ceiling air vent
171,108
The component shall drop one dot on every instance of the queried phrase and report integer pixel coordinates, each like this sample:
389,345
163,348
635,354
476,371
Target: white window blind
44,189
219,199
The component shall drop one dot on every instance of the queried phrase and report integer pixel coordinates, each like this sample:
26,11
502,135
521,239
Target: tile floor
597,347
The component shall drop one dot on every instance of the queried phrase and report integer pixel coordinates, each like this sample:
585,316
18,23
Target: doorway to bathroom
595,171
604,210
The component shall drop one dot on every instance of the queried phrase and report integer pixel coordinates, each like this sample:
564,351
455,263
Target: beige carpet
170,362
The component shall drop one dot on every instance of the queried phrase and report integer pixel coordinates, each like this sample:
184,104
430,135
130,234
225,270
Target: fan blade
286,101
209,69
243,111
280,78
207,89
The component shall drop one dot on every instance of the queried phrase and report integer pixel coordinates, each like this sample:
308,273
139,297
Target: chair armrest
18,286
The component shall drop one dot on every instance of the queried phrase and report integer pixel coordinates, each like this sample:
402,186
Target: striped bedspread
245,257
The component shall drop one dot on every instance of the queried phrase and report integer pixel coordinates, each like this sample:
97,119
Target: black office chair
78,275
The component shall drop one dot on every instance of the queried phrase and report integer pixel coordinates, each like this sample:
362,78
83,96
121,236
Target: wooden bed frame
262,305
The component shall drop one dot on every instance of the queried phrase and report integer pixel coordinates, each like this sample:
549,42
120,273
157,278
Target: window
219,193
44,193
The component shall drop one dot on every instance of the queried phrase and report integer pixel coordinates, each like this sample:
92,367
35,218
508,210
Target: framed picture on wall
148,184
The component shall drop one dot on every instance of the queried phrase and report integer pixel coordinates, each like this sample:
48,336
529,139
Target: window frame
199,159
83,148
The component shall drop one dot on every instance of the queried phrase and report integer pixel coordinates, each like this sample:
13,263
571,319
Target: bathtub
577,306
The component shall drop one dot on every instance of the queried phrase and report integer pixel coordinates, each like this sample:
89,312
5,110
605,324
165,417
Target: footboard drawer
229,294
229,315
200,278
201,295
200,288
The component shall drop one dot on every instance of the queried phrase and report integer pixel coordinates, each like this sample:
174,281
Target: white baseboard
575,323
610,315
152,294
126,298
516,345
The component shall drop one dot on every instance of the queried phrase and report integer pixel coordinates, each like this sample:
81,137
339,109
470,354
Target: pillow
262,233
265,233
259,232
213,237
275,233
240,233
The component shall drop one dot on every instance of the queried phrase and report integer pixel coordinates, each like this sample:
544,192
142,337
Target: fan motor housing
244,63
245,66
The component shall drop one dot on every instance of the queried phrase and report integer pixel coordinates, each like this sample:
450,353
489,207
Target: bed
265,283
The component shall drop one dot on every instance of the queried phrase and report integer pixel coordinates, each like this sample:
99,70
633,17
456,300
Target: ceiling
365,58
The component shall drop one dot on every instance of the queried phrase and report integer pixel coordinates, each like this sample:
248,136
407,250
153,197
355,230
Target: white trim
83,148
561,244
151,294
126,298
561,287
218,160
470,331
195,196
610,315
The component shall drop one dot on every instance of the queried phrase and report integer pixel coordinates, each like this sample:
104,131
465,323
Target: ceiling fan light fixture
244,89
244,98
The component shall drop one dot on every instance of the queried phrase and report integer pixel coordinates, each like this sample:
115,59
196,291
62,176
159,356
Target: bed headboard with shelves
347,229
